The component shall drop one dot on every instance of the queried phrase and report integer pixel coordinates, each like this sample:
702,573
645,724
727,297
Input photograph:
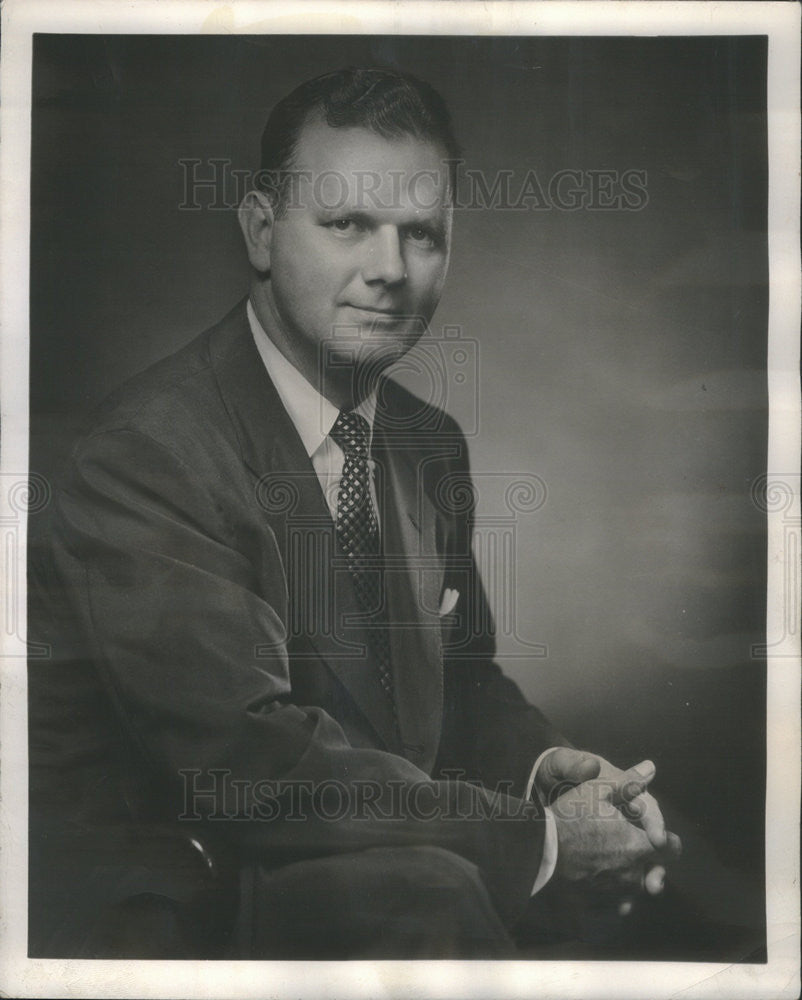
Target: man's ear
256,218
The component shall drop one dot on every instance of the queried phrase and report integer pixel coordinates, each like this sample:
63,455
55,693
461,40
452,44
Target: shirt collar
312,414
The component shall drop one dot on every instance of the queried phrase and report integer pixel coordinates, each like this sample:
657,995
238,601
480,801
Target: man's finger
634,810
655,880
647,812
673,845
638,807
632,783
651,881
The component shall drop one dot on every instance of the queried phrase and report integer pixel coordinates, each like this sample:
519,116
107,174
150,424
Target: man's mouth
379,311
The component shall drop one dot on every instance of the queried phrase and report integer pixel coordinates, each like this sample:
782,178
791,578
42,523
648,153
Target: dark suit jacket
205,636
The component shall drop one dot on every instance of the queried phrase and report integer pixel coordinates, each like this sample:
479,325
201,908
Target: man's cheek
429,304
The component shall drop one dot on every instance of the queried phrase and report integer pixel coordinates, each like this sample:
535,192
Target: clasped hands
610,830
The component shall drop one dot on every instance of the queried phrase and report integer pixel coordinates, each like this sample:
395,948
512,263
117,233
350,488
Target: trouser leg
416,902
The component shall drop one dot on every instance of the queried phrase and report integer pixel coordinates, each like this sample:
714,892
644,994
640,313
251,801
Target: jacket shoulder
176,388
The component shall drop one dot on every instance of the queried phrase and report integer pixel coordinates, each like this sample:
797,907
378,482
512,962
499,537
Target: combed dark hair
388,103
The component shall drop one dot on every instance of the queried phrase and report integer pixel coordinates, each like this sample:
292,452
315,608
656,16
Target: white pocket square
448,601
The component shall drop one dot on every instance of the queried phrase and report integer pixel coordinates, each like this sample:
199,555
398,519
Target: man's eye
346,226
421,236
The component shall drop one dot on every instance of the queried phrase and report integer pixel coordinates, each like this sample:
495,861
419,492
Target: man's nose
385,257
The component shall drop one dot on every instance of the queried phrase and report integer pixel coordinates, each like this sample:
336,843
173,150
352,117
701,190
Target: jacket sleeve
172,616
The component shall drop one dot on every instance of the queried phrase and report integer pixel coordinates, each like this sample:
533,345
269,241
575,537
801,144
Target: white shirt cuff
533,773
549,861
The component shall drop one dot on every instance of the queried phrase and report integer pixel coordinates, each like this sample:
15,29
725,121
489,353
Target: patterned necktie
358,536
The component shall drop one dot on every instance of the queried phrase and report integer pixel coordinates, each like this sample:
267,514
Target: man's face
359,255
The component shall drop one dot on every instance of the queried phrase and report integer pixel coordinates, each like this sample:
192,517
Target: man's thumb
584,768
565,767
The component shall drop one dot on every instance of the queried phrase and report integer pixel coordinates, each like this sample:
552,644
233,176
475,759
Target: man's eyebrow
347,212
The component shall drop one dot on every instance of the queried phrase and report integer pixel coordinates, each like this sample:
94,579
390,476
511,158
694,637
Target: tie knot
351,433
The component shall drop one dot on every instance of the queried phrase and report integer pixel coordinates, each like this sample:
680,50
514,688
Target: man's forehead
359,160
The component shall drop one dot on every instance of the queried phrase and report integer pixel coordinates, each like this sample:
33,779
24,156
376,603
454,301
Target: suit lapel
413,579
323,610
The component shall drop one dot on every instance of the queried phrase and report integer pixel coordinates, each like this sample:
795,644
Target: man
262,601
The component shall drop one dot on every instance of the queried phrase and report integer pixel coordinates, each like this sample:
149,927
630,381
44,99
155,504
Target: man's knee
419,901
448,891
438,868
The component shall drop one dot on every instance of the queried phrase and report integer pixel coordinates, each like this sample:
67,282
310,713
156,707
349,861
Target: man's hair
391,104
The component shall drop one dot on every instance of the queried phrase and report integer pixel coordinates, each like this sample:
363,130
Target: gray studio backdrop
603,341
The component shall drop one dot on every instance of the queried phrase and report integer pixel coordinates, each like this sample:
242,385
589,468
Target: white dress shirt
313,416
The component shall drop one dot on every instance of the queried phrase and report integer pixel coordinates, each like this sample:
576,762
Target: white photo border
780,21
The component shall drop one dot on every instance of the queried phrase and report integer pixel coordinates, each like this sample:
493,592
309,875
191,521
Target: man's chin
367,347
